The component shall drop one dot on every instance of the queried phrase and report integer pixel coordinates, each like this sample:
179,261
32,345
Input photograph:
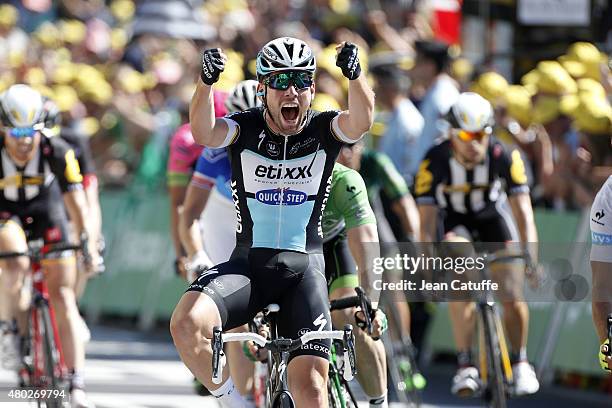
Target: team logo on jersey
278,196
272,148
424,179
301,145
281,172
598,216
601,239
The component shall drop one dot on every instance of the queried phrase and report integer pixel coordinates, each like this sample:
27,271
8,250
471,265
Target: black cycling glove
212,65
348,61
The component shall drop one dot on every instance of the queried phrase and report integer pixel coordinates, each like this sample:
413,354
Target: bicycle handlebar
35,250
282,344
493,258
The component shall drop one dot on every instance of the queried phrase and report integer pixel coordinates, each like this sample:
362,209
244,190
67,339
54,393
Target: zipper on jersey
281,195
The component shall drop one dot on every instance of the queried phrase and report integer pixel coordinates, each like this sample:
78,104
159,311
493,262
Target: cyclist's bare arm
357,120
189,229
363,243
428,214
406,210
602,297
177,195
76,205
206,130
95,213
523,214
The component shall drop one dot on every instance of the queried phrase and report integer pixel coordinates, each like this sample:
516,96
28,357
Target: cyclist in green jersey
350,240
380,174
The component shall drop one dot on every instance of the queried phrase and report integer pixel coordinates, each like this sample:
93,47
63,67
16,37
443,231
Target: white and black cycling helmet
21,107
285,54
243,97
53,118
472,113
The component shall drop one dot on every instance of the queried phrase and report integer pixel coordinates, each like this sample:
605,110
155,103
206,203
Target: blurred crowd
123,73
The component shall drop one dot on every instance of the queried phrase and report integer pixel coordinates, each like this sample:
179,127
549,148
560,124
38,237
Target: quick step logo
279,196
601,239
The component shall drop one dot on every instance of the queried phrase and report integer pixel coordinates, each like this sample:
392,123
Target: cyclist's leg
14,301
60,275
305,307
222,296
218,239
462,315
341,272
455,243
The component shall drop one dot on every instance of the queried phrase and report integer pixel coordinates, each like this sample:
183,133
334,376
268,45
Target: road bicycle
43,371
494,357
279,348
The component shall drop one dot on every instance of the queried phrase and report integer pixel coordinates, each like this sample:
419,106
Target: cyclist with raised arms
282,158
38,173
468,177
349,230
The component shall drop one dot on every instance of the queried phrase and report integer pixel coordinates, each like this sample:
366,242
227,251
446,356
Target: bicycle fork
504,354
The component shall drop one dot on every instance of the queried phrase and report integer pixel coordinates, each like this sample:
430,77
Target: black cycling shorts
494,225
45,219
255,277
340,267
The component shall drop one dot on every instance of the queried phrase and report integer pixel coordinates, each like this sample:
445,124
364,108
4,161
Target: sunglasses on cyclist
21,132
466,136
282,80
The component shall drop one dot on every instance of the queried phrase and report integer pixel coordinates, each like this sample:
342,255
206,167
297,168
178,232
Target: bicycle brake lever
366,307
217,357
349,353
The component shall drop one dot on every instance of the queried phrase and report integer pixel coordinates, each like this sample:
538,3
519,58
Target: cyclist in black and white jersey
39,180
282,157
467,179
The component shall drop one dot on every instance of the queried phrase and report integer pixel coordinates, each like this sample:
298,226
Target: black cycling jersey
33,194
280,184
443,181
80,144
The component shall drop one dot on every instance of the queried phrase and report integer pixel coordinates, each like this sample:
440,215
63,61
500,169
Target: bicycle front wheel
495,393
283,400
50,358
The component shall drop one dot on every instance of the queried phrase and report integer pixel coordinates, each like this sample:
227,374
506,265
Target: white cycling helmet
285,54
472,113
243,97
22,106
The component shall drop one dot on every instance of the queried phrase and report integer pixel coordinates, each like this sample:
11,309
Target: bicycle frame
40,295
43,337
491,331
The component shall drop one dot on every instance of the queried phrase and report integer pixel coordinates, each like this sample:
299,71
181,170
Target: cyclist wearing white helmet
468,177
288,148
37,173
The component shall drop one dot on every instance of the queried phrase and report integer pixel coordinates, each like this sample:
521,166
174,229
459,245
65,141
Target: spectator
435,89
400,119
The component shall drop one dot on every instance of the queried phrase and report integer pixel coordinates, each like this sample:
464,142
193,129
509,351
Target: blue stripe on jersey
214,164
266,229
